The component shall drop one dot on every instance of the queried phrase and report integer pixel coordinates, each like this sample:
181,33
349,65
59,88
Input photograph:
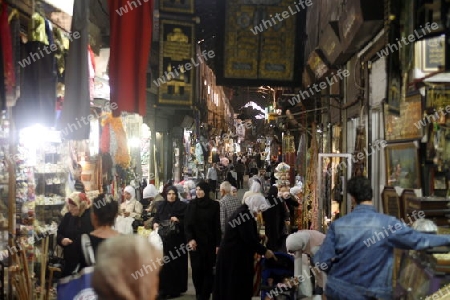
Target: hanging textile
14,24
76,107
311,208
131,36
359,167
6,57
37,101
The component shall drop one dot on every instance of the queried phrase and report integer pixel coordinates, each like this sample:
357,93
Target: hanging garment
76,107
37,101
131,36
8,74
2,82
91,60
14,25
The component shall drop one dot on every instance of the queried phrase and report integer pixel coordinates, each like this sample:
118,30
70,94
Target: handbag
56,261
168,228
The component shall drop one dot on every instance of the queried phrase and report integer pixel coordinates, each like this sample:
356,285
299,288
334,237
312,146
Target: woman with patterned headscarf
74,223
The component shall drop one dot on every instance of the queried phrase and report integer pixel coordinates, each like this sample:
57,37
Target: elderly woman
234,275
174,274
131,207
74,223
202,228
127,269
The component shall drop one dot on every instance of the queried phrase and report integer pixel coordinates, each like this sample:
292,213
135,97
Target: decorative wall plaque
177,63
260,39
177,6
404,127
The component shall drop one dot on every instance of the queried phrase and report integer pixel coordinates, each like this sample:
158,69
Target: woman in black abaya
234,269
203,234
174,274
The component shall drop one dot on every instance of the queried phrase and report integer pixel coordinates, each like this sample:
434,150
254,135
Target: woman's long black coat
234,269
73,227
173,277
202,224
274,223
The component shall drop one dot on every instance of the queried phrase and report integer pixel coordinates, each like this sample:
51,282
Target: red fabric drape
130,41
7,50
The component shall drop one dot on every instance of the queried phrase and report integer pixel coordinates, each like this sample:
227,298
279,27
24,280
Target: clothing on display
130,43
76,101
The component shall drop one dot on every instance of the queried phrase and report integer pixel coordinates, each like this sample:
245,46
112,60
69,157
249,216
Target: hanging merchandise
288,148
359,167
282,174
105,139
76,102
311,205
37,101
128,58
118,141
6,57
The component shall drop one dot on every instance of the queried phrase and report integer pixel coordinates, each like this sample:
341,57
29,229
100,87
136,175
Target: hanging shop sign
259,41
318,65
331,47
177,63
433,54
359,21
177,6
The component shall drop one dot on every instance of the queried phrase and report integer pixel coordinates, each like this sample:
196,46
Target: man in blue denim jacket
358,248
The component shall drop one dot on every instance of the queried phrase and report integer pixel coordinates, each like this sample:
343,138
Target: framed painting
391,202
402,165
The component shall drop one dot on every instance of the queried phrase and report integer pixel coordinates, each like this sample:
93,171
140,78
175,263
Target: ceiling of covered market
207,37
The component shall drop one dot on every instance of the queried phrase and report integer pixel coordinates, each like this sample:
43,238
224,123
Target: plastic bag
77,286
155,239
124,225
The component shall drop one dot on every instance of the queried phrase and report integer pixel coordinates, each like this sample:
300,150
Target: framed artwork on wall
402,165
391,202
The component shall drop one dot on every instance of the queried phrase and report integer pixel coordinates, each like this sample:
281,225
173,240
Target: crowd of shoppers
222,237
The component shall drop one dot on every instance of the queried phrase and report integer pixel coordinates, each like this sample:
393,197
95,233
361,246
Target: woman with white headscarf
130,207
234,268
